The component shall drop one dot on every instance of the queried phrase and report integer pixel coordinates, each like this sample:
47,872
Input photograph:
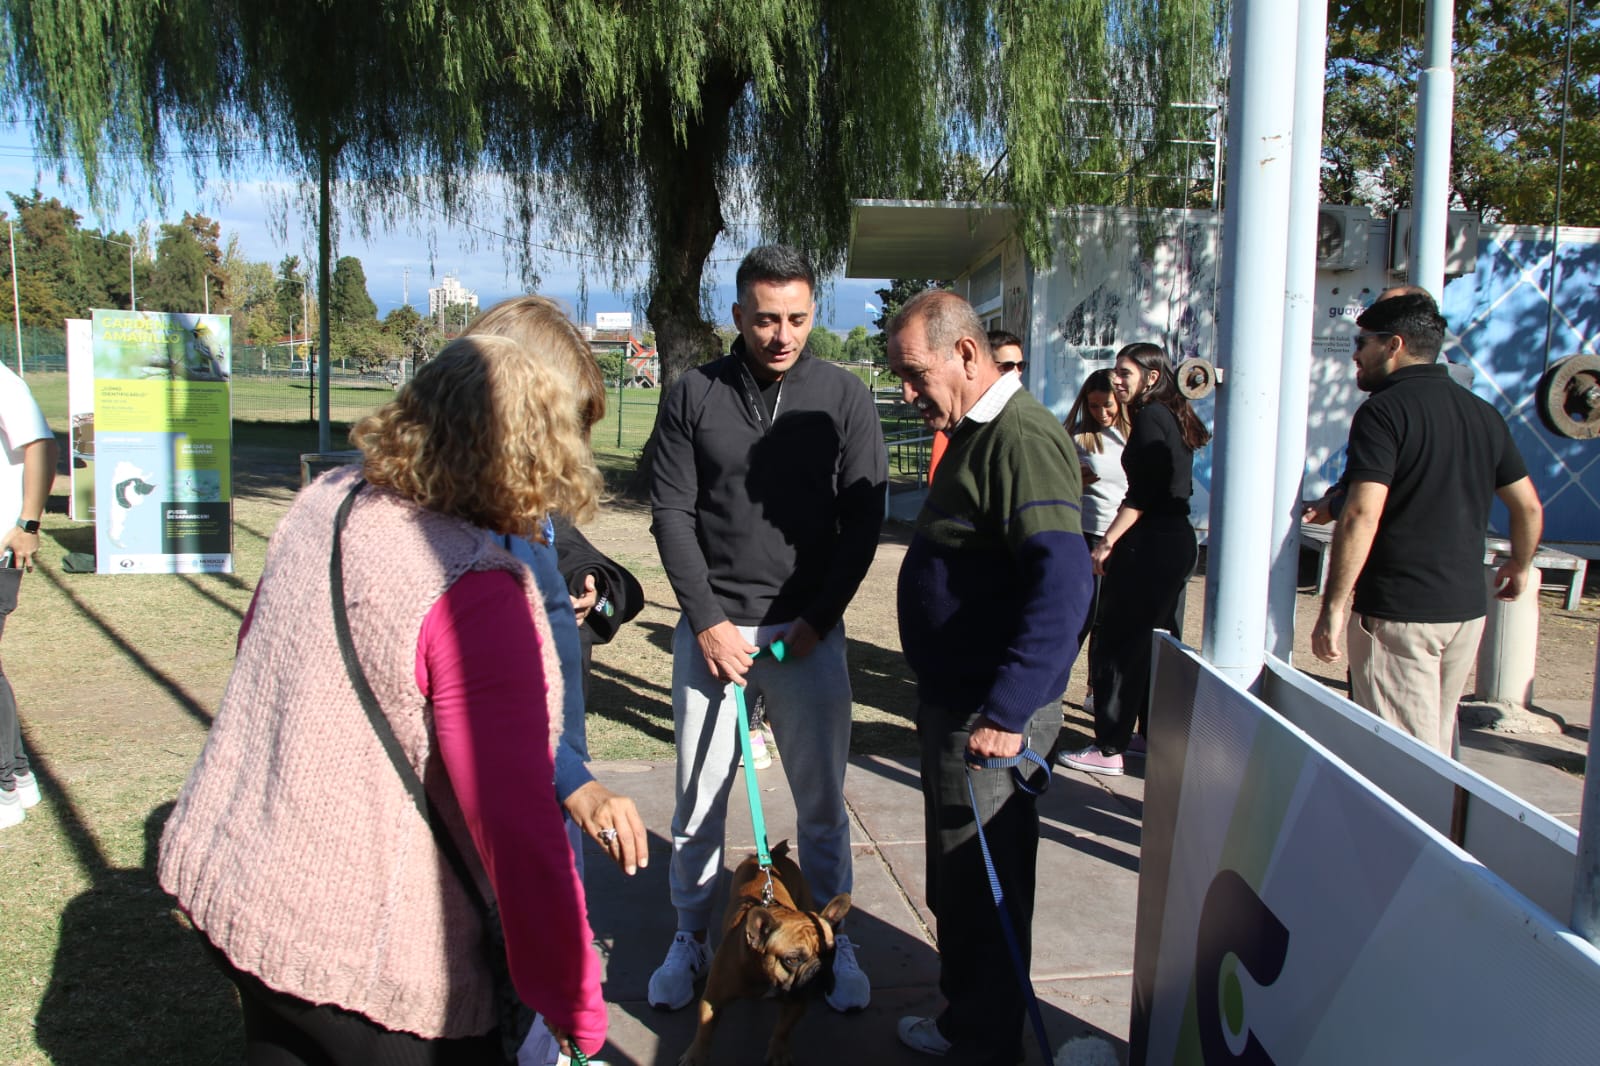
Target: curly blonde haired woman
295,846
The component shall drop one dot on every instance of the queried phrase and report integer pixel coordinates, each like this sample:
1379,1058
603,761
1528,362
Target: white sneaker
672,985
28,790
10,809
922,1034
851,989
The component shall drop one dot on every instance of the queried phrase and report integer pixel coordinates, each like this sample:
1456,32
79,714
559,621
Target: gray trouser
13,760
808,709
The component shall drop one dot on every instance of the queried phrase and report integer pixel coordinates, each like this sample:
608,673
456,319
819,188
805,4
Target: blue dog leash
758,821
1014,764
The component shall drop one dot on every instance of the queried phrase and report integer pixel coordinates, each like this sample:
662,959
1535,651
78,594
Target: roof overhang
922,238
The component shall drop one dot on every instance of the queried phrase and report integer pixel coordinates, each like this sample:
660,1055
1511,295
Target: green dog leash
758,822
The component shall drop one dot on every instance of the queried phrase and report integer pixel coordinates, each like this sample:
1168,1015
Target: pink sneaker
1092,761
1136,746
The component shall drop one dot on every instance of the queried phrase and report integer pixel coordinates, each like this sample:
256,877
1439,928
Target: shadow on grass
615,695
194,707
131,982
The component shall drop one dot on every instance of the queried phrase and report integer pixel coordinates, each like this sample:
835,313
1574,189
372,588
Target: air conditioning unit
1461,242
1342,236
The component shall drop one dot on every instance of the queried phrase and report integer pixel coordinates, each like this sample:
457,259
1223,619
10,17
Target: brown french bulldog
783,949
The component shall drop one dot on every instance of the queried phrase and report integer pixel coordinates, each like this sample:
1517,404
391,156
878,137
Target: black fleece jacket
764,520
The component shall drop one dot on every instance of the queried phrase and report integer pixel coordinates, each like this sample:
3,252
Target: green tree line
64,270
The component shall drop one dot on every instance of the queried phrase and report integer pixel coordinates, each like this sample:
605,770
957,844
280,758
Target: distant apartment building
450,293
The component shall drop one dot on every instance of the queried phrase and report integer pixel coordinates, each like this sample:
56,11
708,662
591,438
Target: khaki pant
1412,674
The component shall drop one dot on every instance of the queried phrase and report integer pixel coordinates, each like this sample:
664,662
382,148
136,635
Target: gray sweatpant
13,759
808,709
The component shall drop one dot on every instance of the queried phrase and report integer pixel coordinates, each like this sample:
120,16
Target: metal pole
1250,337
1430,198
621,373
324,343
1561,169
16,301
1586,871
133,296
1305,166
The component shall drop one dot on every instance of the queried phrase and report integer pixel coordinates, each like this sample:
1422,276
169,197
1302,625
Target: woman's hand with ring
614,822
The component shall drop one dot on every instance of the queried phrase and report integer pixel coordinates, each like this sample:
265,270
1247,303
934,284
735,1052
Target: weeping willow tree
373,104
783,111
634,131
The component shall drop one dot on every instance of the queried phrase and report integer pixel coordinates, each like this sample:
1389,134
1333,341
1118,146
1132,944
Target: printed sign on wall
163,443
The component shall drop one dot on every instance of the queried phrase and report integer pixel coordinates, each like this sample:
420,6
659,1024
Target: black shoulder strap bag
515,1018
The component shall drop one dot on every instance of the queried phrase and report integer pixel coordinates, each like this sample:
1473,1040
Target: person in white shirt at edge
27,470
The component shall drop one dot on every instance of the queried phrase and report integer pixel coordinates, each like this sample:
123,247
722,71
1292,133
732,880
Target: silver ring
608,836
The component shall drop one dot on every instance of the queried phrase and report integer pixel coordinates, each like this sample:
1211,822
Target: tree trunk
687,213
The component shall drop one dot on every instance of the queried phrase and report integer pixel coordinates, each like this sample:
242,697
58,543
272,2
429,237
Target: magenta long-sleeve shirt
477,661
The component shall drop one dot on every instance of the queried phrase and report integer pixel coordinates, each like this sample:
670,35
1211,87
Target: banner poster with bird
163,442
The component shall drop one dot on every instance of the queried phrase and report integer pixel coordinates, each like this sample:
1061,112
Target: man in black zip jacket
766,502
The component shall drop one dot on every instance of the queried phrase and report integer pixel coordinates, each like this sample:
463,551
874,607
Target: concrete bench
1550,561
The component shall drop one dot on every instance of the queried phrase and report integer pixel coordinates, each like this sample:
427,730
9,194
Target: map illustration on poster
163,443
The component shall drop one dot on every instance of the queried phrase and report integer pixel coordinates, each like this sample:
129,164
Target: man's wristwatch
28,525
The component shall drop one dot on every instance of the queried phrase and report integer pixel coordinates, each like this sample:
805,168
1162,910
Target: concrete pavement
1083,927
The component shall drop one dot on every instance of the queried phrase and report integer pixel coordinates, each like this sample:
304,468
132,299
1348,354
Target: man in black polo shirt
1425,460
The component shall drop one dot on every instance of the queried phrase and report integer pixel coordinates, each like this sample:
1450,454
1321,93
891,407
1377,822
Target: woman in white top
1098,424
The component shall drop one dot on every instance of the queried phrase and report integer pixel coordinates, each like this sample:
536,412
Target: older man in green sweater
993,594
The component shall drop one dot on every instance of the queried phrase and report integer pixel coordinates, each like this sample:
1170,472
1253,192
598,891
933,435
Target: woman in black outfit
1146,556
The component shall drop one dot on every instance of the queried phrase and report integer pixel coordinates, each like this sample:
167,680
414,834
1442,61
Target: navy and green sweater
997,581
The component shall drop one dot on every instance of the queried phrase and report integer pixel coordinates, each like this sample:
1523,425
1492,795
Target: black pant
986,1006
282,1030
1140,593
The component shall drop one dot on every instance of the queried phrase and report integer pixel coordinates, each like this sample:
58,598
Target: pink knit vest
294,845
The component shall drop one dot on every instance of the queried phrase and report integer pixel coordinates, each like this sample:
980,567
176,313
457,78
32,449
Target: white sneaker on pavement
922,1034
851,989
672,985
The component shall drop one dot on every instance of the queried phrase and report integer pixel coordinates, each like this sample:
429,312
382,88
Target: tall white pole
1586,870
1250,309
1305,171
133,295
16,301
1430,200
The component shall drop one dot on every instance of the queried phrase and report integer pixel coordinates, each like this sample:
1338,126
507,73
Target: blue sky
429,245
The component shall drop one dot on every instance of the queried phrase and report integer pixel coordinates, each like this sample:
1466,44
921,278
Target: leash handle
1014,764
1012,945
758,821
